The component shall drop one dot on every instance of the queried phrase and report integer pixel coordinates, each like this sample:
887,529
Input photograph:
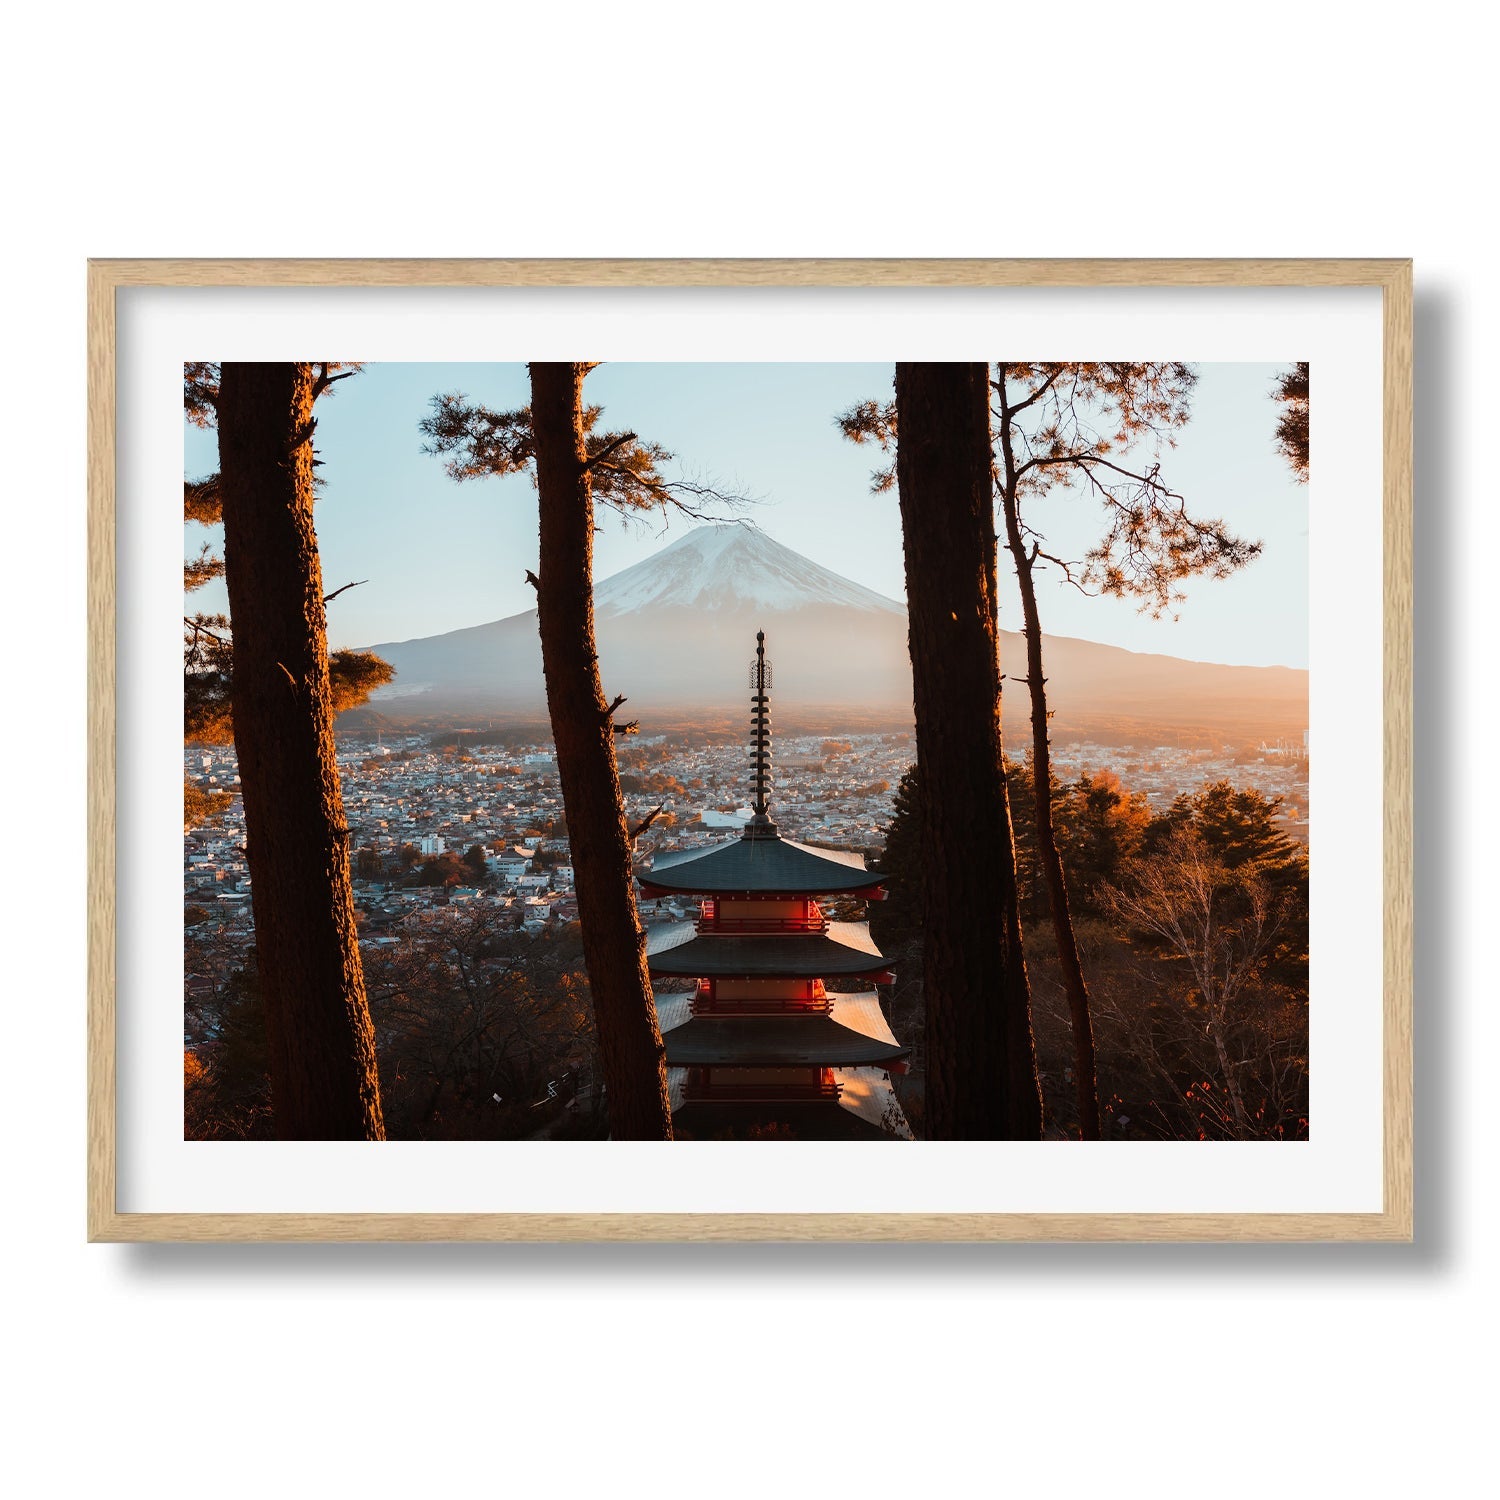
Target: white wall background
779,129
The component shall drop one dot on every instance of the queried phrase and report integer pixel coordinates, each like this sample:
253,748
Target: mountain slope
727,567
677,633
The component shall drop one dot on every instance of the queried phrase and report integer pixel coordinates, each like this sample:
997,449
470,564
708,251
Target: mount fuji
728,567
676,634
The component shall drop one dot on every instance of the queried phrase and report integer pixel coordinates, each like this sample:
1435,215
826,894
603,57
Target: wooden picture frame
1393,279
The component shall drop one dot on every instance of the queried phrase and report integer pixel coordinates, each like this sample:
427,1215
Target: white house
712,818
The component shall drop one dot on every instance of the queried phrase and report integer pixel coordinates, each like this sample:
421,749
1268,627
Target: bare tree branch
647,821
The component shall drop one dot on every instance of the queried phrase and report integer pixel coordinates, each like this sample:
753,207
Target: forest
1072,965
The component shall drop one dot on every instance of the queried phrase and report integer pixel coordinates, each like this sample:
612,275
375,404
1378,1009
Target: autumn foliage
1193,928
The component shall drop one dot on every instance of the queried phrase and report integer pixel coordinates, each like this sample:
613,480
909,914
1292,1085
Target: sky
439,555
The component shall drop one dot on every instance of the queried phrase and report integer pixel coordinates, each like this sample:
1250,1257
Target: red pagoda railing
706,1002
709,920
761,1093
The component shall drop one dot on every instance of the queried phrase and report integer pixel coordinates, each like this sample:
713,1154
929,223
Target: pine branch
633,727
646,822
326,379
607,449
201,500
200,629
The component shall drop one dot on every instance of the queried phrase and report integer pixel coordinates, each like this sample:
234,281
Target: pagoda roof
767,866
681,950
867,1093
855,1034
773,1042
865,1108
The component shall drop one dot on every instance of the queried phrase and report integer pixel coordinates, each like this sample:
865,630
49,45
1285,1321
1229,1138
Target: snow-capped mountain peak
731,565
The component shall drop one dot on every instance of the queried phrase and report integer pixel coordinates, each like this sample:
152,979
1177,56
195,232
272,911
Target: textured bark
324,1084
1226,1071
1085,1069
614,943
981,1062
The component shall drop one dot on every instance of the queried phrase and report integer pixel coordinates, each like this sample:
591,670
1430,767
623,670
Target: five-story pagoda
763,1045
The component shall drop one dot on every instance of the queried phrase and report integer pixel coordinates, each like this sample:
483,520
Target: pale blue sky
440,556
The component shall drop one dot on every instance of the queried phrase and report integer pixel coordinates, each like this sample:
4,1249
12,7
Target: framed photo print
719,750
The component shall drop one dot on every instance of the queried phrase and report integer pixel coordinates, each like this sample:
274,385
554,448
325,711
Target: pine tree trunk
981,1062
324,1084
614,944
1085,1069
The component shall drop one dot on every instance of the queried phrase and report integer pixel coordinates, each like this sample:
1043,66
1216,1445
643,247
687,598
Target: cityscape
416,793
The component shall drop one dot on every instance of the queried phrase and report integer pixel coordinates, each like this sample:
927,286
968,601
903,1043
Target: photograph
773,751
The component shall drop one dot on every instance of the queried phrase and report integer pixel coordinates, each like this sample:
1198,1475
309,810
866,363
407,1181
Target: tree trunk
981,1063
614,944
1226,1068
1085,1070
324,1084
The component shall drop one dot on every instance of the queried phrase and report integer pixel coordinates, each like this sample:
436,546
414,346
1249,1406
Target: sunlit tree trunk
614,944
321,1044
981,1065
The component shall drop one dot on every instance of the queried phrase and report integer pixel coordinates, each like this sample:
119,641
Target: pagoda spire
760,825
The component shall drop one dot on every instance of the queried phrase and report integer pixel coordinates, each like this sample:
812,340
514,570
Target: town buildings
409,790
